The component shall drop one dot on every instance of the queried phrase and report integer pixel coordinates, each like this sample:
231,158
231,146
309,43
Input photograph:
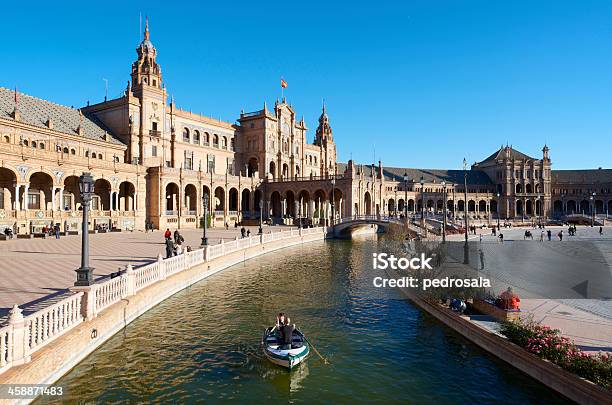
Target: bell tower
325,140
145,70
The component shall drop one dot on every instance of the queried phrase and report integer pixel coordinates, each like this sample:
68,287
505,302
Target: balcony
155,133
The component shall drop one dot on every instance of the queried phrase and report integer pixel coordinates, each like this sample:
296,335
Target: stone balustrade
23,336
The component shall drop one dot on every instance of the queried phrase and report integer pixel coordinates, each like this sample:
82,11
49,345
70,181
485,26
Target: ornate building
153,162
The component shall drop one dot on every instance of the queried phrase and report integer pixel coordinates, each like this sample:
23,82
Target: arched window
7,139
196,137
86,153
25,142
72,152
216,140
41,145
185,135
232,144
224,142
93,155
66,150
99,156
34,144
206,138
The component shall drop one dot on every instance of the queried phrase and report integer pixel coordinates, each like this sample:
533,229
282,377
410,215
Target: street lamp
333,182
465,205
260,217
444,212
205,203
406,196
85,273
593,209
497,210
422,203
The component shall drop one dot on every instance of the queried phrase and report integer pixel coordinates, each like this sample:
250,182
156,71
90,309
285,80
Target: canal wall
567,384
41,348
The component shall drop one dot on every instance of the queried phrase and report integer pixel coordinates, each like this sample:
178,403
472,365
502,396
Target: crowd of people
174,243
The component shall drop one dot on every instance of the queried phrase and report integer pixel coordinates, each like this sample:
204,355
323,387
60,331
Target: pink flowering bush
548,344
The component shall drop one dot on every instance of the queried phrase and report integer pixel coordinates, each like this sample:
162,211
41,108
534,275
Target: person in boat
286,334
280,320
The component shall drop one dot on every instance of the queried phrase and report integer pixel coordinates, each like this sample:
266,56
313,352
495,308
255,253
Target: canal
202,345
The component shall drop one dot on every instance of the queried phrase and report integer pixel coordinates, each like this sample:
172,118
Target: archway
71,193
219,201
206,192
319,201
233,201
557,207
461,206
336,196
191,199
8,198
257,202
273,169
519,207
599,207
246,202
367,202
471,206
401,206
571,207
304,200
519,188
528,207
39,192
482,206
285,171
101,199
172,195
410,206
494,207
275,200
127,195
585,207
290,202
391,207
528,188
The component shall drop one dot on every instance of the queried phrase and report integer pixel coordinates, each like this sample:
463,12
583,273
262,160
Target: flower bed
548,344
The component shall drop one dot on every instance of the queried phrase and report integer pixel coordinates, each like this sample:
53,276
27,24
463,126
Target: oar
315,349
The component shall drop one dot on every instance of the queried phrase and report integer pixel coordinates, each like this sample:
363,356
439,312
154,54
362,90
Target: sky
412,83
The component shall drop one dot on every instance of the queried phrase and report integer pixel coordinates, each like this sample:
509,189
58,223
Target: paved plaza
34,272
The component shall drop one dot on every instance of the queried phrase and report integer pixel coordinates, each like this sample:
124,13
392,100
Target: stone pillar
311,209
117,208
19,341
284,207
162,267
130,281
134,204
52,198
24,205
17,205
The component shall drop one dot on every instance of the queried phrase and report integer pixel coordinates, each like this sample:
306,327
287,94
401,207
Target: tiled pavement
35,270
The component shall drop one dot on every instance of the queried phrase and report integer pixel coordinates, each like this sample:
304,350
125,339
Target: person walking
177,235
560,235
549,234
167,234
57,231
169,247
542,236
601,231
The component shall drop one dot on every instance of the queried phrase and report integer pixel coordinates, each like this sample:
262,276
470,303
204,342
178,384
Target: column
117,208
311,209
24,205
284,207
134,198
52,198
17,205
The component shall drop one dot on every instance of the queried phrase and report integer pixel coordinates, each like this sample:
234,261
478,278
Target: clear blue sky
424,82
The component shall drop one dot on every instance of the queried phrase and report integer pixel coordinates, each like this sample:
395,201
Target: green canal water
202,345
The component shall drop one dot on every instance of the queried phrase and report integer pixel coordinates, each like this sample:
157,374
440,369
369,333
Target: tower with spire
325,141
145,70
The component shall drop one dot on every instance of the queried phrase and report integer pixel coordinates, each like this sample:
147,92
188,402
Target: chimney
49,123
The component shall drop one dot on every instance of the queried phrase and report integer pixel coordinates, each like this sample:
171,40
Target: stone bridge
348,226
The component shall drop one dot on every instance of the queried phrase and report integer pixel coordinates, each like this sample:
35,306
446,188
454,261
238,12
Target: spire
146,32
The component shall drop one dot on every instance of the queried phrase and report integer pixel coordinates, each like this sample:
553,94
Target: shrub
548,344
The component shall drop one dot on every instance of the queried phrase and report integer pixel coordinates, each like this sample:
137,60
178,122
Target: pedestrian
176,236
57,231
549,234
226,226
501,237
542,236
167,234
480,238
248,233
601,231
560,235
169,247
179,248
242,232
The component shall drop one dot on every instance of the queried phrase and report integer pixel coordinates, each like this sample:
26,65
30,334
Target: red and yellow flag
283,83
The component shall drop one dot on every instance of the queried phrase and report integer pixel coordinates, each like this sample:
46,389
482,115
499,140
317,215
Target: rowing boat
287,357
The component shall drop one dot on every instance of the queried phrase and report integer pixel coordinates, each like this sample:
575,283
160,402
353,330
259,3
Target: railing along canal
24,335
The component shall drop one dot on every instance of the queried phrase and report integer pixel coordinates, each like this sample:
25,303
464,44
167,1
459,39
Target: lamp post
406,196
260,217
497,211
205,203
593,209
465,205
85,273
333,182
444,212
422,203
